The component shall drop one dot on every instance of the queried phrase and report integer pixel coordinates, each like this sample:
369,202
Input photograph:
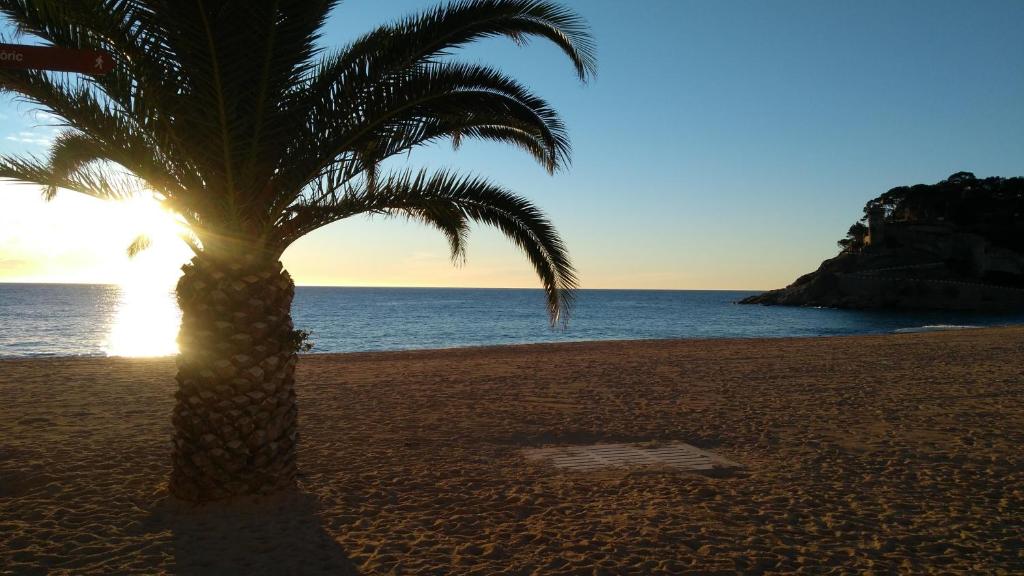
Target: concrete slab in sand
597,456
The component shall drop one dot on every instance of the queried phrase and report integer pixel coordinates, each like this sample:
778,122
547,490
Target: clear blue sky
724,144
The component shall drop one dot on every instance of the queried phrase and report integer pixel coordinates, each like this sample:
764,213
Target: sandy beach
877,454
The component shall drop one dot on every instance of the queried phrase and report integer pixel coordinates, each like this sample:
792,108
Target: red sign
53,58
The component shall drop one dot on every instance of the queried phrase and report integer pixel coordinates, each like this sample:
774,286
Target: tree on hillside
854,240
990,207
229,113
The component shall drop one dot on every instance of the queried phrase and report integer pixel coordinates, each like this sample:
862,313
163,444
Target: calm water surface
72,320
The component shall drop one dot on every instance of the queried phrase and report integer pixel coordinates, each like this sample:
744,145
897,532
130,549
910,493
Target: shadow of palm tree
279,535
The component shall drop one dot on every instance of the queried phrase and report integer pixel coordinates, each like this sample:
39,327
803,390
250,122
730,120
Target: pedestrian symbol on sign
31,57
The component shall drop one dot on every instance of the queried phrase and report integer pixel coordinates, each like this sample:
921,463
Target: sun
147,318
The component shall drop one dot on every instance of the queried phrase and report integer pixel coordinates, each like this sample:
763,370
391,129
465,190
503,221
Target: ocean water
96,320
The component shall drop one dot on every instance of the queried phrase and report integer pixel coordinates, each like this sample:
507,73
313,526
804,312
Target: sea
109,320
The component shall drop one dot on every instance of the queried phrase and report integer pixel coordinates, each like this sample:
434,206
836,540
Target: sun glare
147,318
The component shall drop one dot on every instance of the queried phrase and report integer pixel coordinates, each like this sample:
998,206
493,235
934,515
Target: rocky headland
954,245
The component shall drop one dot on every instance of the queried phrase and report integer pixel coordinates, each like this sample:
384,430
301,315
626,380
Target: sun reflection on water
147,317
145,324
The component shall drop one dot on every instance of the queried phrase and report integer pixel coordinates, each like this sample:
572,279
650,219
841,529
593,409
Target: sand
880,454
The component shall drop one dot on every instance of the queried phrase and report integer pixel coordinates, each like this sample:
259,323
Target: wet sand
877,454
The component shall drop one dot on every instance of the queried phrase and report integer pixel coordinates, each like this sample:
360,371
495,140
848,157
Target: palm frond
140,243
454,200
143,82
436,33
105,126
364,121
98,181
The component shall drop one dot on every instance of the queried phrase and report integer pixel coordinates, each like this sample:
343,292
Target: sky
723,145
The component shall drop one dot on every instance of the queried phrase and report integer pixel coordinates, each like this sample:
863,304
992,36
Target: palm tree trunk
235,427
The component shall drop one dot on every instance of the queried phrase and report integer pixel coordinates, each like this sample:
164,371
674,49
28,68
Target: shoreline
896,332
883,453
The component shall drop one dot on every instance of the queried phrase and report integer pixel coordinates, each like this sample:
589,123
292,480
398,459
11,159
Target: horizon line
425,287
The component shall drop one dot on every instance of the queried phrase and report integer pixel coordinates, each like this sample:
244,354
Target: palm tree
228,113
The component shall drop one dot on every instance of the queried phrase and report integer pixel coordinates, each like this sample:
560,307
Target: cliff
957,245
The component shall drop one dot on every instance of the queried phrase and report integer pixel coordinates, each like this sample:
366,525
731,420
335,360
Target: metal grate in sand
597,456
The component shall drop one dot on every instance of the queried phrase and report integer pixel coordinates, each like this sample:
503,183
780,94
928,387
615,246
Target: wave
56,354
935,328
